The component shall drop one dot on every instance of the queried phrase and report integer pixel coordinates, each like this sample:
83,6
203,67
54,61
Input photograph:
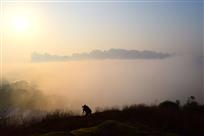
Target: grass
135,119
108,128
56,134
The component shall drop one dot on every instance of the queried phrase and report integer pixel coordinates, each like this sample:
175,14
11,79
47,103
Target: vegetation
134,120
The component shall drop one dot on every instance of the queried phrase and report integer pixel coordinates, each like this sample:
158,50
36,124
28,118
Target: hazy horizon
104,53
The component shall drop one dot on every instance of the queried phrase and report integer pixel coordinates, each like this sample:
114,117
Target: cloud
100,54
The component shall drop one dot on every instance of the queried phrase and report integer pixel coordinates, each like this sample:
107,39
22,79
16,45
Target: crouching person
86,110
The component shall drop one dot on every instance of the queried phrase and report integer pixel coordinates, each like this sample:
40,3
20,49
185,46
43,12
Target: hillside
134,120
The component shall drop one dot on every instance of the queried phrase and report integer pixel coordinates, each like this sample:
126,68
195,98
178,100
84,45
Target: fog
106,83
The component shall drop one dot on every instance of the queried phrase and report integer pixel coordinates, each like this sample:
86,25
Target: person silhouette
86,110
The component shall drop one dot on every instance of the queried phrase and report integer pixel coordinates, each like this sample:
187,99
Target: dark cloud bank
100,54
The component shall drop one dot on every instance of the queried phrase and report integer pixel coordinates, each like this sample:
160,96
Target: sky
117,33
65,28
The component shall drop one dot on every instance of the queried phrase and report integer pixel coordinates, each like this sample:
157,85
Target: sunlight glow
21,23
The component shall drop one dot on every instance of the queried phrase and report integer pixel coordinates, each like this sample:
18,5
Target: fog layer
105,83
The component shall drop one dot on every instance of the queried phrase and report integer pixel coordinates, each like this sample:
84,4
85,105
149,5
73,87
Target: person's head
84,106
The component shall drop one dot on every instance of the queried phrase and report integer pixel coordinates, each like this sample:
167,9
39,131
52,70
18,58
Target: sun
21,23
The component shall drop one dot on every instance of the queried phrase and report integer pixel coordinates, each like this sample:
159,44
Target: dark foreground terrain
136,120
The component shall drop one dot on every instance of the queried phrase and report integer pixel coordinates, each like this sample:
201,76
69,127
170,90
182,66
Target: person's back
87,110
